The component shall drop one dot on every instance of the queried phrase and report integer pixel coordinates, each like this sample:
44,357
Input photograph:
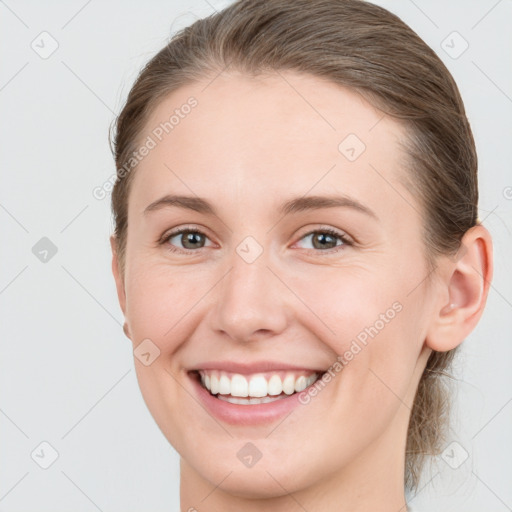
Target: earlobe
466,283
126,330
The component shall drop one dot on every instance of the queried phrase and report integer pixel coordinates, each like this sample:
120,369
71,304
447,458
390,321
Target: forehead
256,138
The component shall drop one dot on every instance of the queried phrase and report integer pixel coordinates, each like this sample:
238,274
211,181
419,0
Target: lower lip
237,414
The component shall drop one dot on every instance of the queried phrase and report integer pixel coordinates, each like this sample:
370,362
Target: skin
248,146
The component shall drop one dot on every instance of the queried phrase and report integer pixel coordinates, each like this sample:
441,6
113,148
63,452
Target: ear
119,279
465,285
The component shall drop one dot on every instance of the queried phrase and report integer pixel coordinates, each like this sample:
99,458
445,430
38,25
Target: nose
251,302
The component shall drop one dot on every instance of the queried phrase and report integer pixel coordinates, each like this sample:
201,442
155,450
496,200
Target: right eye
191,239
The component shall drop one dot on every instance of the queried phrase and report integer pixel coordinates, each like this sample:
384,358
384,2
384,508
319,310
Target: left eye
324,238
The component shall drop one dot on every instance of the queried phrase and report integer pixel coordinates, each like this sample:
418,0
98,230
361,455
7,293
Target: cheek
166,305
154,301
371,323
354,307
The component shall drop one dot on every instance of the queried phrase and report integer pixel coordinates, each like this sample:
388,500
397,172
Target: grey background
66,370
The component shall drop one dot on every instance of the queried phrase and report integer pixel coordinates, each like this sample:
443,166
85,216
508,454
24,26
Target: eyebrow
298,204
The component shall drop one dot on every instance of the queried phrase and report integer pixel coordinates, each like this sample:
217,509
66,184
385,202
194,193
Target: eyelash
189,252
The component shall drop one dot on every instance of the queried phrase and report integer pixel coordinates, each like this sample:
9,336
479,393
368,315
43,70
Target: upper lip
248,368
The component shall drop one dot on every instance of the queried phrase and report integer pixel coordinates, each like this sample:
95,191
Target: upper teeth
256,385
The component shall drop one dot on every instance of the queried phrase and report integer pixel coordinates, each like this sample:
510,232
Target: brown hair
358,45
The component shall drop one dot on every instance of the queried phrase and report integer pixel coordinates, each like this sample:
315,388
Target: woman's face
257,288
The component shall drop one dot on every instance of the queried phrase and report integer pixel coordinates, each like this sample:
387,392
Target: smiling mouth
257,388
